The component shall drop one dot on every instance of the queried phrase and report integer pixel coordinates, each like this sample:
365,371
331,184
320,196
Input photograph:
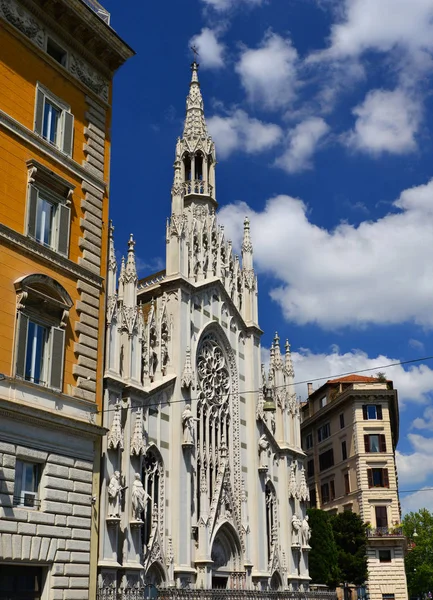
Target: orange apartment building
350,430
57,61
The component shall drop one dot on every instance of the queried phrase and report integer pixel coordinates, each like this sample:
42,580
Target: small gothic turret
112,265
247,247
129,277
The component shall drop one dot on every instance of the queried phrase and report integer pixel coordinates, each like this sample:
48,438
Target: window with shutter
385,478
48,212
53,119
367,443
382,443
379,412
40,336
364,412
343,450
370,477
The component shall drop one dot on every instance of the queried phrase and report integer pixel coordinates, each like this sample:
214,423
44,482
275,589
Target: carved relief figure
164,346
114,491
153,359
138,499
263,451
305,531
296,530
188,425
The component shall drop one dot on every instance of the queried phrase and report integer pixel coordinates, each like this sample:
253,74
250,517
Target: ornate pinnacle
195,124
289,365
115,435
131,270
246,244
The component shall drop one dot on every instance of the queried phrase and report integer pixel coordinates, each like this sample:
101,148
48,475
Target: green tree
323,556
350,535
418,528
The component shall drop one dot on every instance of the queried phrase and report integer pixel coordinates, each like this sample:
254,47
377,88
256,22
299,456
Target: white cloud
387,121
414,384
426,422
382,25
268,73
222,5
238,131
302,143
417,345
413,468
211,50
414,502
376,272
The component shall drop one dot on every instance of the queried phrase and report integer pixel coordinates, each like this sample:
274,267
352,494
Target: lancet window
152,477
271,517
213,410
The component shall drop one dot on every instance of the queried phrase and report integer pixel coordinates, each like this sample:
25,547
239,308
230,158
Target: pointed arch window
213,410
153,483
271,517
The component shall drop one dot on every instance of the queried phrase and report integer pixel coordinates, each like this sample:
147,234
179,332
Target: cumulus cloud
269,73
302,142
386,121
414,384
211,50
382,26
426,421
376,272
414,502
416,467
238,131
222,5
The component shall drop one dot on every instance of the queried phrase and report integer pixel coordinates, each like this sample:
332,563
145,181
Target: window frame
45,185
309,442
329,453
34,292
19,490
323,432
377,409
65,134
382,551
347,488
384,477
54,42
343,450
342,424
381,445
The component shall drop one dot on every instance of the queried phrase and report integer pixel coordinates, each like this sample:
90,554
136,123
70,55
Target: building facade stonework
350,431
203,484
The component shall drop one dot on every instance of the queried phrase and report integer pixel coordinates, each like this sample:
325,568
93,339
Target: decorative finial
195,53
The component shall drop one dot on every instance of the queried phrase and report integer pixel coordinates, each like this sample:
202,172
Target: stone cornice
36,416
49,150
114,48
46,255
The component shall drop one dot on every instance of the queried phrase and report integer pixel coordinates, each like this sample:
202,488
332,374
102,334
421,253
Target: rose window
213,375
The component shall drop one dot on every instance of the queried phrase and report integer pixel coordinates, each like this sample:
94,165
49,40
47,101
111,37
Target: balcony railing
102,13
214,594
385,532
197,186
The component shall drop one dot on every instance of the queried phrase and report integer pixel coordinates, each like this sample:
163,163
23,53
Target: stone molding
45,254
37,33
49,150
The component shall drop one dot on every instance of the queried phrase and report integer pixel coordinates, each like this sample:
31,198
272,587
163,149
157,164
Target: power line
311,380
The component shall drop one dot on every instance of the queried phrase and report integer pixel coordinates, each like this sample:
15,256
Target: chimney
310,389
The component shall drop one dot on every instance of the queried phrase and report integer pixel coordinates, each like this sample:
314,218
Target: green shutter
21,345
31,211
39,111
63,229
56,357
68,132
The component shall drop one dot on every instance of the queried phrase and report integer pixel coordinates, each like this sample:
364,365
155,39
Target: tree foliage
418,528
323,556
350,535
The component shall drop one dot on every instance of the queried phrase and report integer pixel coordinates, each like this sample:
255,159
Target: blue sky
321,112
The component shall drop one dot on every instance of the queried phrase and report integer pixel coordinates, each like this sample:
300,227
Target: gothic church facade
203,482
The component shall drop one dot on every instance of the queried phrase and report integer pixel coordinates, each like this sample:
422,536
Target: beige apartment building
349,432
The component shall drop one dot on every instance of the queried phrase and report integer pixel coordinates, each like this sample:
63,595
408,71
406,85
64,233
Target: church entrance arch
155,575
226,554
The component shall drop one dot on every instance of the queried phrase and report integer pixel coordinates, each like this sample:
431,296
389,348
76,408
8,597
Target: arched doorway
155,575
227,558
276,582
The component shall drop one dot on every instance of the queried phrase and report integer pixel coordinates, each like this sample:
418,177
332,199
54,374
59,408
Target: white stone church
203,484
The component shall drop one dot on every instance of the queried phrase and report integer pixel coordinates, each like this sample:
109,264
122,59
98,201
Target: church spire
195,124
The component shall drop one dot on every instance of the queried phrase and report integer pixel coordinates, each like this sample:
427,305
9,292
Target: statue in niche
263,451
305,531
138,499
121,359
273,422
188,425
293,487
114,491
153,359
296,530
164,346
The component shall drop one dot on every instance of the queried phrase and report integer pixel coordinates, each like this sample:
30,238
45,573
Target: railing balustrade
197,186
385,532
172,593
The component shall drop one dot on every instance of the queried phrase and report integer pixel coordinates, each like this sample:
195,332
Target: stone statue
296,530
293,488
114,491
305,531
138,498
188,425
263,451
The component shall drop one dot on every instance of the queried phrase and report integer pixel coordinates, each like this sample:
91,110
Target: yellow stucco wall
21,67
